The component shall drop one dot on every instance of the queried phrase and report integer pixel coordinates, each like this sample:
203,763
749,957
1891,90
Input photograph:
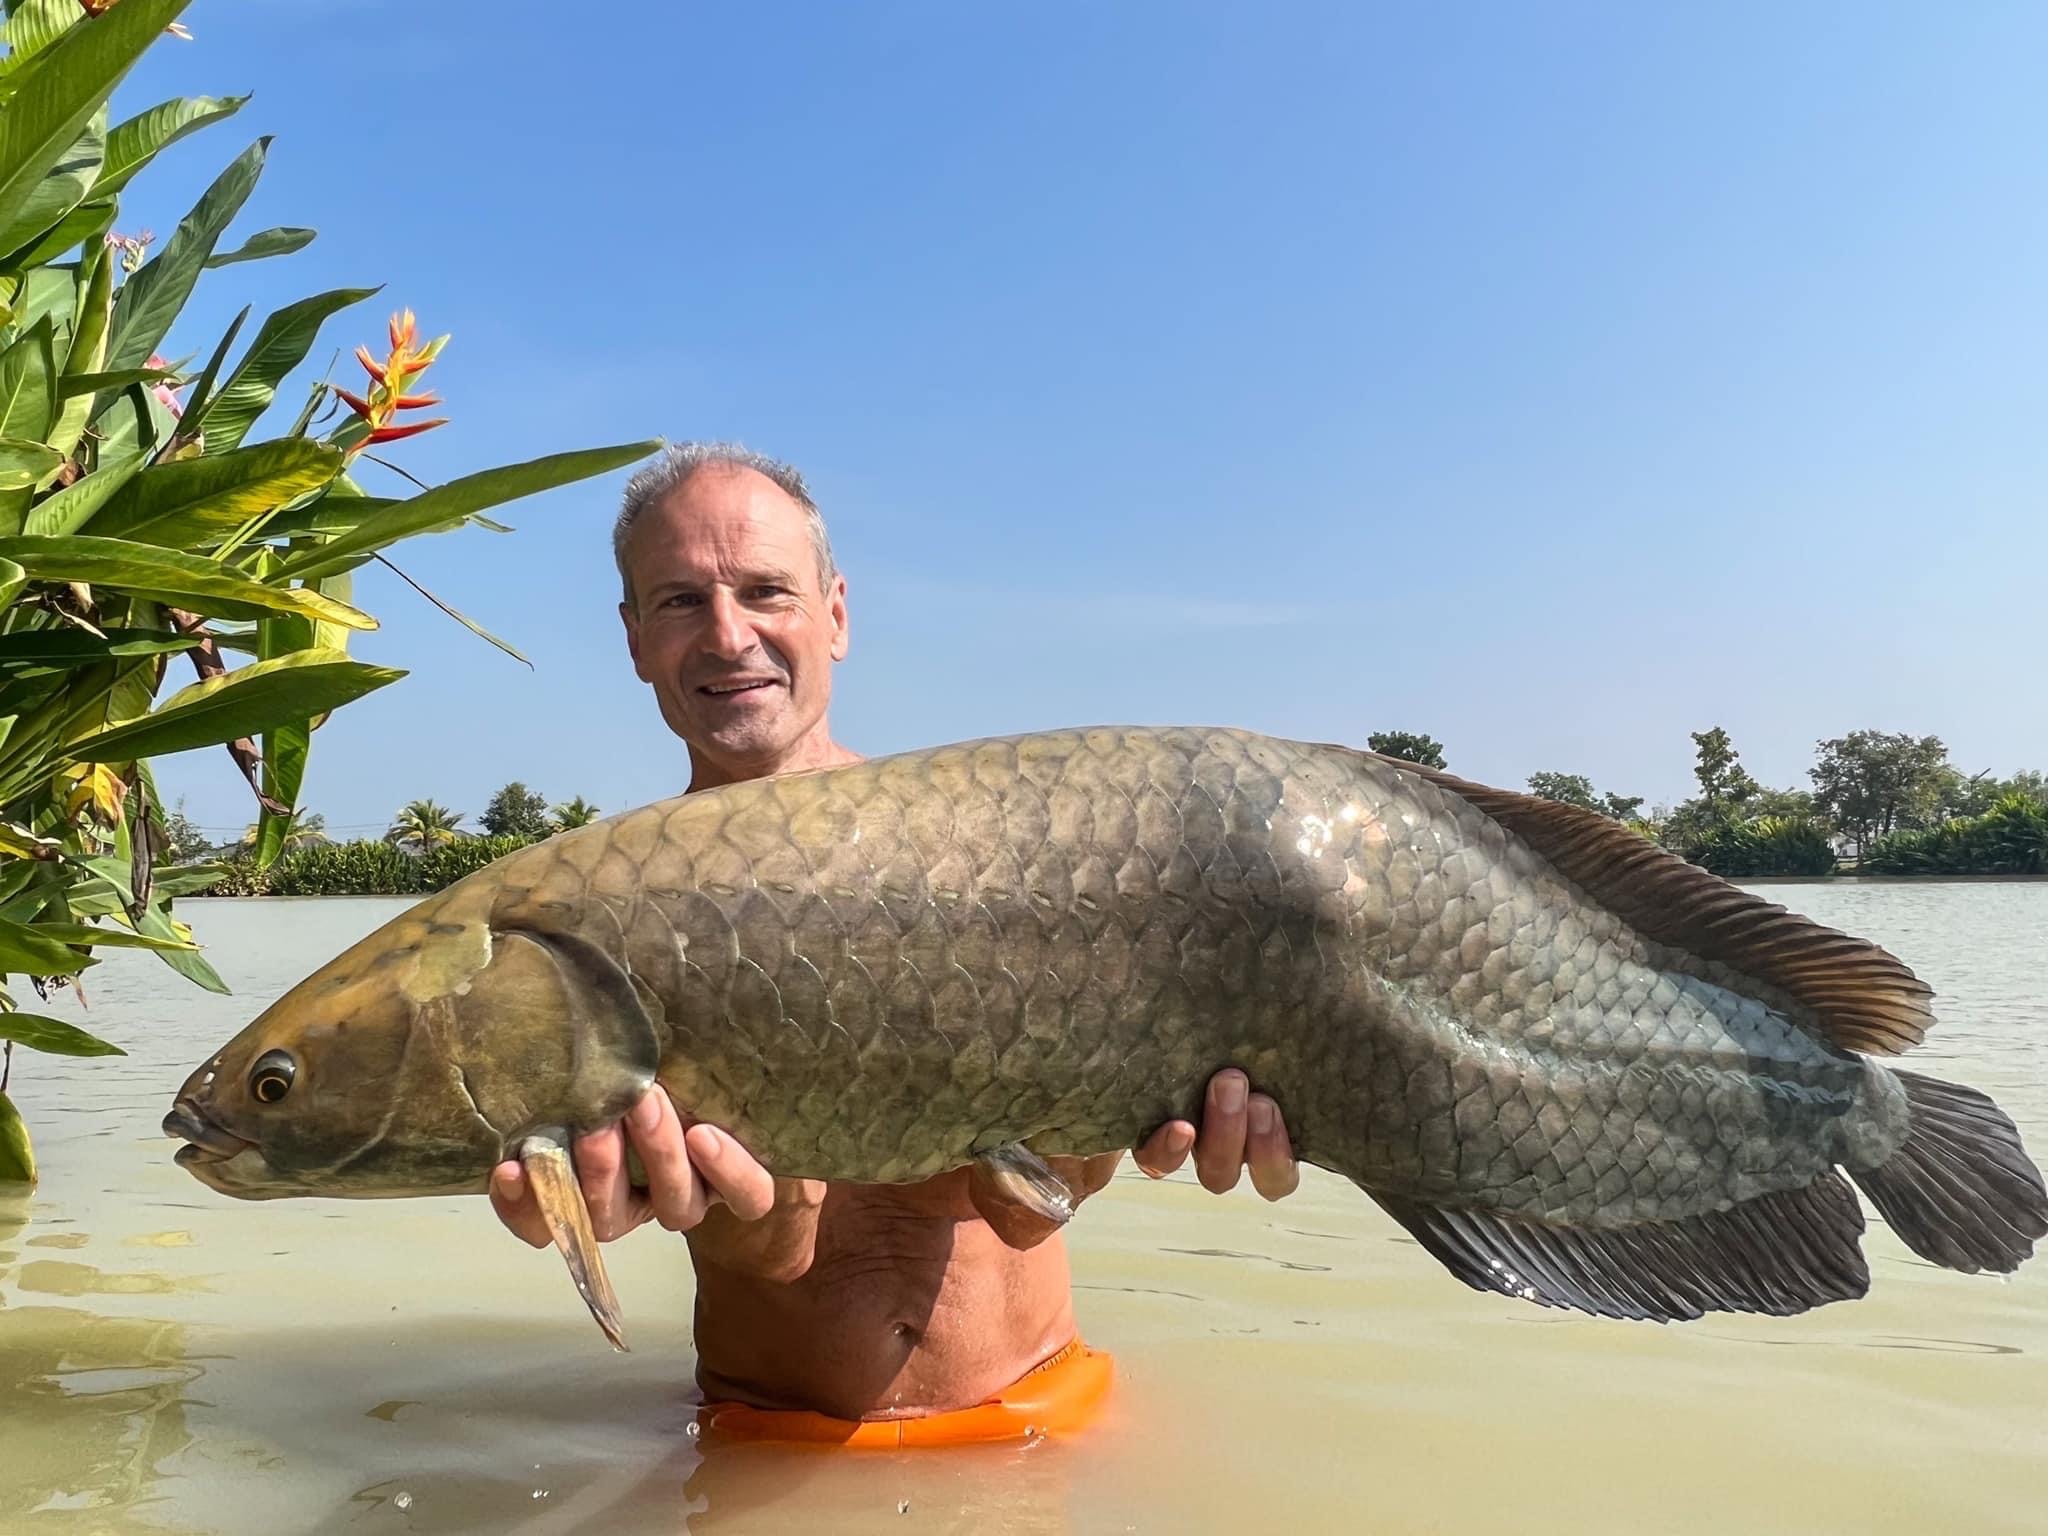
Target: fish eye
271,1078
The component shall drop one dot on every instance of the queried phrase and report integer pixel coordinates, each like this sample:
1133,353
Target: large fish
1579,1070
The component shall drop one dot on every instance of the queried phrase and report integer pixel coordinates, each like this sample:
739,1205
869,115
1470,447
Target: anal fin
552,1176
1779,1254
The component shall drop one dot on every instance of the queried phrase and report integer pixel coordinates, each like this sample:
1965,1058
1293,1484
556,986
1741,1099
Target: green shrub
450,862
346,869
1769,845
2009,839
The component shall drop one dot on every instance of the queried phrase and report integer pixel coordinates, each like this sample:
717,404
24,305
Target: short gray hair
656,482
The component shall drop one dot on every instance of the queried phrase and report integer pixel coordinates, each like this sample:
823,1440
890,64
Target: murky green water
172,1361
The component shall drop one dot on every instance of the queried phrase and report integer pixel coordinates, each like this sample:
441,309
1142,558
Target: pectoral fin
552,1177
1020,1176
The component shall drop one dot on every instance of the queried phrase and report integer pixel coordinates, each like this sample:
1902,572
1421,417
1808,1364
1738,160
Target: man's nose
728,636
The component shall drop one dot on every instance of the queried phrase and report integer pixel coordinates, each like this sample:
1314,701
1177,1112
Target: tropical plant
516,811
361,868
1768,845
143,527
574,813
423,826
445,866
302,829
2009,839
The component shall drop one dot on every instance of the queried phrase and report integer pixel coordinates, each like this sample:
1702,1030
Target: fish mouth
224,1162
206,1142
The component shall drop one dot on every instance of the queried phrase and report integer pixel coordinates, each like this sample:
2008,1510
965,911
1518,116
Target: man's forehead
716,518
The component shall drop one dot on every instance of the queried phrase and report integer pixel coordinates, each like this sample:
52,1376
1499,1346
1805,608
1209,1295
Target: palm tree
575,813
303,830
424,826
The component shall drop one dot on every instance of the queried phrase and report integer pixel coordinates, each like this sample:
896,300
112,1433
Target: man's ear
835,605
631,619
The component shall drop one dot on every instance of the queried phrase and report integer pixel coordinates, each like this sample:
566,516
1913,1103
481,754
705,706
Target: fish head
414,1062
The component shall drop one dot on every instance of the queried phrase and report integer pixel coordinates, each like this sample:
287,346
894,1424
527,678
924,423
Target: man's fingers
731,1173
1165,1149
1268,1151
516,1206
675,1194
600,1159
1219,1150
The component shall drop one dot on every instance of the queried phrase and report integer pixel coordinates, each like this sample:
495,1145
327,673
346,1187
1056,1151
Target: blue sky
1558,381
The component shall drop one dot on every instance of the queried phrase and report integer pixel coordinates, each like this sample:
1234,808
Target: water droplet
403,1501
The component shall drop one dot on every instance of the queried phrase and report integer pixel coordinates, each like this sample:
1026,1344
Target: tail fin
1961,1192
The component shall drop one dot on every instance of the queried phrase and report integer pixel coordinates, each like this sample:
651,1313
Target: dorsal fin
1865,998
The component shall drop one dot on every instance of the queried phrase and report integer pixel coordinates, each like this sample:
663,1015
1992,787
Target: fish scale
1576,1068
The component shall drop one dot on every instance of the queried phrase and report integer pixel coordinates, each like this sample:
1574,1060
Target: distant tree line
1889,802
425,848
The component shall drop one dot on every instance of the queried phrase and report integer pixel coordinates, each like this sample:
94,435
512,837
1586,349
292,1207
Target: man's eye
760,593
681,600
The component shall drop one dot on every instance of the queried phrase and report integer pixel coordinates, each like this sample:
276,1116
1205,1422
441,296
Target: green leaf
87,351
447,505
83,225
32,25
133,421
192,502
29,650
202,387
62,189
40,1033
134,143
281,241
17,1157
85,934
120,378
151,299
280,346
166,576
184,879
188,963
27,402
12,579
26,951
332,513
22,464
286,745
58,91
245,702
68,510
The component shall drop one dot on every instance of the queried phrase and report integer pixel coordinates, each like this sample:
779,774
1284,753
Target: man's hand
693,1173
1240,1130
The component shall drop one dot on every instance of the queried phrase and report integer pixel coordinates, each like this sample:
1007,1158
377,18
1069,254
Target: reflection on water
175,1362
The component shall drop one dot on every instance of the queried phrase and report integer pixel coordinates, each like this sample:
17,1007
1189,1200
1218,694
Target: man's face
728,623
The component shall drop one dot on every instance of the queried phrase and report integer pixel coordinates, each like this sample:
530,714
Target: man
854,1302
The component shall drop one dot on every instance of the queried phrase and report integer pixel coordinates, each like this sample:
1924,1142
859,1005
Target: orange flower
390,378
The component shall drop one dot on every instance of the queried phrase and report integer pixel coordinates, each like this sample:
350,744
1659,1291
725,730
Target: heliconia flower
408,429
390,378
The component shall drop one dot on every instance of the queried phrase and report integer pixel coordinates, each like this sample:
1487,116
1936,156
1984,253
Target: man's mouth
731,687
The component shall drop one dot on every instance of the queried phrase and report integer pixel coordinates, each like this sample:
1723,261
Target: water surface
172,1361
